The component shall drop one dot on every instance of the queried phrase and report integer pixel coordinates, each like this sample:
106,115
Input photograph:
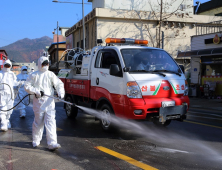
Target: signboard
216,39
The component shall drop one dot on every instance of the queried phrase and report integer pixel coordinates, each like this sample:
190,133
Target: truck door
107,86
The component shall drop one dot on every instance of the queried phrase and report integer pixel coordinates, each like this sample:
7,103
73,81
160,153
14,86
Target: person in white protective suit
22,93
43,106
7,81
32,70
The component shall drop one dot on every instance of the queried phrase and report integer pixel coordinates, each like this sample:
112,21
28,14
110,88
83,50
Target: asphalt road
194,144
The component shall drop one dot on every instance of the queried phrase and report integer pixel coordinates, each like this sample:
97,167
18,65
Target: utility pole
162,40
57,49
83,25
160,22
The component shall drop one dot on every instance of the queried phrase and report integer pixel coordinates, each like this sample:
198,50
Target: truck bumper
143,108
173,112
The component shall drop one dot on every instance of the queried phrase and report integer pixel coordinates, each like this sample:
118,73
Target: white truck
128,79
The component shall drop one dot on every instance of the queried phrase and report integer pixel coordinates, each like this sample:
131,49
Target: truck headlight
186,89
133,90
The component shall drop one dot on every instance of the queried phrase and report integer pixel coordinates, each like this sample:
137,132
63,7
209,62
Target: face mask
6,69
24,72
45,68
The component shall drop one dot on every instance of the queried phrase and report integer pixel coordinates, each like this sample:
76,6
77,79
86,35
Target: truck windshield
150,60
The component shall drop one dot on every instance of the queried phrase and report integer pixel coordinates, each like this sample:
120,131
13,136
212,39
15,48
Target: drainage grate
134,145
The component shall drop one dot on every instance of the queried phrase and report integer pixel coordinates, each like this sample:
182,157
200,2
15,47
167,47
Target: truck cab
130,81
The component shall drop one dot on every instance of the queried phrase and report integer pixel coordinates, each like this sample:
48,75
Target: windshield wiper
168,71
138,71
152,72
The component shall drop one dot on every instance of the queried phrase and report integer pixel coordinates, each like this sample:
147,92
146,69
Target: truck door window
97,64
107,59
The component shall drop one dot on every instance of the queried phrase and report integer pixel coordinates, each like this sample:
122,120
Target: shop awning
198,53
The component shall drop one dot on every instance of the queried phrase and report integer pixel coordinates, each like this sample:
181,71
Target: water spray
57,98
180,143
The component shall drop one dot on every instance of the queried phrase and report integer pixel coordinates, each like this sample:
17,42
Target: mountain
27,50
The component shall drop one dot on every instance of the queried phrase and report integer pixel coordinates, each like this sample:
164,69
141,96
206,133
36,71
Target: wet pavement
181,145
204,103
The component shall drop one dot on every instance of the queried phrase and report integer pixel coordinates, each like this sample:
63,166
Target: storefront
206,62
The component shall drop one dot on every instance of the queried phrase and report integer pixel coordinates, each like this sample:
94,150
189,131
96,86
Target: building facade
169,6
56,49
102,23
206,61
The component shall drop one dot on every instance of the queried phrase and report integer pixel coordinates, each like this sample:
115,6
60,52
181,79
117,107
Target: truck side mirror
182,68
114,70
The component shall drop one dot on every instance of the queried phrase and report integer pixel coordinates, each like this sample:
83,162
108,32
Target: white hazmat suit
44,107
32,70
21,92
7,81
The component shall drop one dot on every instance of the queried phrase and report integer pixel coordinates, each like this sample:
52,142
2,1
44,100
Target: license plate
168,103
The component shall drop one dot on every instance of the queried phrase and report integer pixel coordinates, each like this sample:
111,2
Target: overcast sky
37,18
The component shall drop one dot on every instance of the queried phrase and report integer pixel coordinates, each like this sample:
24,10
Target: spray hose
19,95
42,94
15,97
17,103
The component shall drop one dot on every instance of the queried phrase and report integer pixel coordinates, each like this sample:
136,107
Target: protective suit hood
40,61
23,68
7,62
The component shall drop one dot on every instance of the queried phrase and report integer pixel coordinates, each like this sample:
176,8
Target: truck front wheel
106,116
71,112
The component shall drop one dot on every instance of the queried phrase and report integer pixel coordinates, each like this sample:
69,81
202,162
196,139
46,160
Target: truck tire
71,112
156,122
107,112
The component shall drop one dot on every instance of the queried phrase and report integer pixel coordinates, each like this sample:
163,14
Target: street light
57,49
83,19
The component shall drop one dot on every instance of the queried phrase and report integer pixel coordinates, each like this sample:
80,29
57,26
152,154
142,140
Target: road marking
203,124
125,158
58,129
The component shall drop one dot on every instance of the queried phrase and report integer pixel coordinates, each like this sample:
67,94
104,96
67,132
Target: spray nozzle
42,93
